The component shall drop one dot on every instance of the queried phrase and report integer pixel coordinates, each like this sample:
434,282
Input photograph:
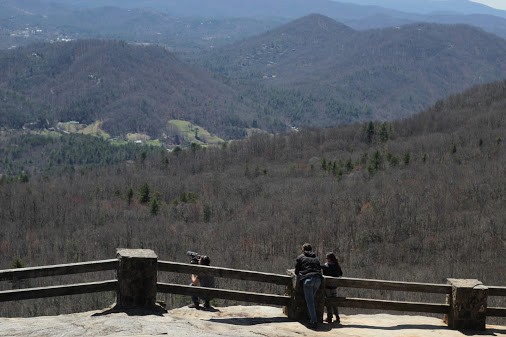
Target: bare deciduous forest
421,199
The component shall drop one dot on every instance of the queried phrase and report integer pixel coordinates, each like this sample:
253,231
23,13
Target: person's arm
297,266
339,271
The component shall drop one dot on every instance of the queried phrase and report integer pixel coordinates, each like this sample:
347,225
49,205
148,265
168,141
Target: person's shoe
207,305
195,305
312,325
338,319
329,319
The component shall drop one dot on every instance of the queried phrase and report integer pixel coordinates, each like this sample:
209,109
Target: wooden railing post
468,305
297,309
137,276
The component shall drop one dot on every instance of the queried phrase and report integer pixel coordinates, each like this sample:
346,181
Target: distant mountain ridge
396,71
201,24
296,8
23,23
435,6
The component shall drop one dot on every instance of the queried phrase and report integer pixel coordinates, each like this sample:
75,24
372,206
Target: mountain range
202,24
294,8
28,22
434,6
393,71
312,71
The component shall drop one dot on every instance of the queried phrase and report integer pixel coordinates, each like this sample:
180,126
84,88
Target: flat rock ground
236,321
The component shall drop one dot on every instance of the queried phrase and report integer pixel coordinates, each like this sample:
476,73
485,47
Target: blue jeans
311,285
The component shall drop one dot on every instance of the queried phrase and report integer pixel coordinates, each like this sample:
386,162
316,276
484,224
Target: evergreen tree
24,177
375,162
144,196
17,263
154,206
324,164
370,132
454,149
392,160
384,134
407,158
207,213
349,165
130,195
177,150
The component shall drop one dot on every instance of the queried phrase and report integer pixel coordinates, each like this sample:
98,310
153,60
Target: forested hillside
310,72
324,72
24,154
130,88
421,199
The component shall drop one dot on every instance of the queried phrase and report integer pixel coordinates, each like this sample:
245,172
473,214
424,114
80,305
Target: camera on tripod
195,257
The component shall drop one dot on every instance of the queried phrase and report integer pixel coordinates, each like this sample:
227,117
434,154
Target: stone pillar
137,276
468,305
297,309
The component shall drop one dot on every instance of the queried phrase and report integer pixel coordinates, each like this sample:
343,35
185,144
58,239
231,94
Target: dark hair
332,257
205,260
307,247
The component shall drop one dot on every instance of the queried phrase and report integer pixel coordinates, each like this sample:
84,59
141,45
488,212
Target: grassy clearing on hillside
191,133
47,133
94,129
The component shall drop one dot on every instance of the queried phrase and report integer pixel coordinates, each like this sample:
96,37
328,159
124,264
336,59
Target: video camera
195,257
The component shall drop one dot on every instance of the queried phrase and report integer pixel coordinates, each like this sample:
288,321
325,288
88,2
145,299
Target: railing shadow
488,332
397,327
250,320
136,311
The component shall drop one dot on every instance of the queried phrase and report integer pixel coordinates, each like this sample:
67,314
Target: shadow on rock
488,332
397,327
135,311
250,321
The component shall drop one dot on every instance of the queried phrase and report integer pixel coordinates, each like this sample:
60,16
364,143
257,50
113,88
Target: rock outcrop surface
236,321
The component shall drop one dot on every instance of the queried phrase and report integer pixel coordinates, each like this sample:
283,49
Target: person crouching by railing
202,280
331,268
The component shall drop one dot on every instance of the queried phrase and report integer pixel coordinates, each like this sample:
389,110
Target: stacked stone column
468,305
137,276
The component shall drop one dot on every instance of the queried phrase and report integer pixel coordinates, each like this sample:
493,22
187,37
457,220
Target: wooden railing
58,270
440,308
496,311
288,282
244,275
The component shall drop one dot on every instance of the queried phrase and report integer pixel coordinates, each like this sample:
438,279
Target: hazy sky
500,4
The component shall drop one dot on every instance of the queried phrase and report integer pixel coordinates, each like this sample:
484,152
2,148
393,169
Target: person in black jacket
308,271
202,280
332,268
